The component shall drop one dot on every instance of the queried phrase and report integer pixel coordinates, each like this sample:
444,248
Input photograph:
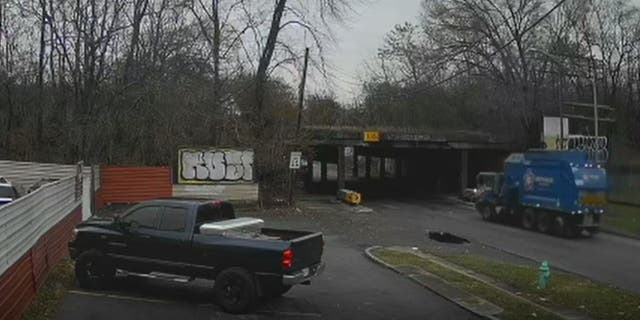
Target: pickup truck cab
197,239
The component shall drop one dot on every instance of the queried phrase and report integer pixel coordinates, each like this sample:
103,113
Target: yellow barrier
349,196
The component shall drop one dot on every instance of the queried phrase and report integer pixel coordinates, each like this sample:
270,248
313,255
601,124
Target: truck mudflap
303,276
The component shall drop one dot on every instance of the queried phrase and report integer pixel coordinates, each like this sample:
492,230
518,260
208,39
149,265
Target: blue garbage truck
559,192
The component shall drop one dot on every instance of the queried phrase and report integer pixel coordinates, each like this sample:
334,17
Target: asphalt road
352,287
606,258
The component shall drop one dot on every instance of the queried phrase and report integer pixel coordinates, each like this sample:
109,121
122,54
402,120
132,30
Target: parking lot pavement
350,288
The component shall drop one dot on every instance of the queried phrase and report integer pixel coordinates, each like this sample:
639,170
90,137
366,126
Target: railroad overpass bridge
392,161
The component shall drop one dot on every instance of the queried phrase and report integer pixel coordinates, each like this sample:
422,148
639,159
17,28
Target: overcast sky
360,39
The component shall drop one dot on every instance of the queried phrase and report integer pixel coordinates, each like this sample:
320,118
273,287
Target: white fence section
244,192
24,221
25,174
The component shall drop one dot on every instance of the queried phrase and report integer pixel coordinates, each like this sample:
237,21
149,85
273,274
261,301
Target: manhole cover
447,237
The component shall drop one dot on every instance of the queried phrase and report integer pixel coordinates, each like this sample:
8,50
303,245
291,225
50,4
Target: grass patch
50,296
565,290
513,308
623,219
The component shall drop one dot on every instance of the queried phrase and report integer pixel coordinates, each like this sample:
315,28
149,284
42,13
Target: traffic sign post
295,160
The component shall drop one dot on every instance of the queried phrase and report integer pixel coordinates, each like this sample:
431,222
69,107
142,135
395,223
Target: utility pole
559,78
301,92
292,175
595,100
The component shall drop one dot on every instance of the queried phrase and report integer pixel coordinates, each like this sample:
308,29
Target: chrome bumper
303,275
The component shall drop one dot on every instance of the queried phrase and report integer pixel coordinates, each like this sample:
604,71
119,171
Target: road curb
561,314
619,234
377,260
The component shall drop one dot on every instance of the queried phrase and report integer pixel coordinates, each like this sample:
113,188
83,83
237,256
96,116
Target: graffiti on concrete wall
215,165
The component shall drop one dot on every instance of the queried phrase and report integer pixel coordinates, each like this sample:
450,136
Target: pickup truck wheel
94,270
528,219
235,290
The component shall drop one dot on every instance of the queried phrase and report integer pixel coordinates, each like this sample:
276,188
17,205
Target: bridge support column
355,164
341,168
367,167
464,169
323,171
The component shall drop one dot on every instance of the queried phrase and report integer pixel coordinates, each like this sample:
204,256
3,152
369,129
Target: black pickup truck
197,239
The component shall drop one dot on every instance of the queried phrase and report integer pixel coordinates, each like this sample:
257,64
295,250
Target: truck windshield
590,177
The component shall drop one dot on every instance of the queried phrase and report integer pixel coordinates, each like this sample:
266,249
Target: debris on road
447,237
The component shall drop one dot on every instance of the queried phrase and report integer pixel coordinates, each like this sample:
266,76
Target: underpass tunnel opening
397,172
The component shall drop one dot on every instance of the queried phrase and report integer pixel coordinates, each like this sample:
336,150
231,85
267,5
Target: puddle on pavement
446,237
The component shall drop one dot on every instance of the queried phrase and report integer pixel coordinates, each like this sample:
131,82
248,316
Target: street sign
295,160
348,151
372,136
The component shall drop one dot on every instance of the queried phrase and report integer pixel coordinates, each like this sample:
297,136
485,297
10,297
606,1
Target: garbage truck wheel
545,221
488,213
572,231
559,224
528,219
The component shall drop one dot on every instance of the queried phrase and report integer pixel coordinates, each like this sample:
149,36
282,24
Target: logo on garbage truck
530,180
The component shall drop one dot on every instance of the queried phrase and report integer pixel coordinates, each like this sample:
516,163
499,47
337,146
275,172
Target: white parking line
115,296
290,314
130,298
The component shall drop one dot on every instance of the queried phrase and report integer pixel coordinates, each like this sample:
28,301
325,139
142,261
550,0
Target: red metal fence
134,184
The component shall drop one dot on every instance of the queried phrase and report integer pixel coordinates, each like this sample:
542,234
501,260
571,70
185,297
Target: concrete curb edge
375,259
619,234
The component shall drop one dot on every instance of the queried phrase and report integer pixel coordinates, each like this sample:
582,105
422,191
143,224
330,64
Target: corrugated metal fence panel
18,284
16,289
24,221
135,184
96,178
25,174
244,192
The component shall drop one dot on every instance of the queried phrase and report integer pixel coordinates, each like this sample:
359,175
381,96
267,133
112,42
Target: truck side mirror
132,227
125,226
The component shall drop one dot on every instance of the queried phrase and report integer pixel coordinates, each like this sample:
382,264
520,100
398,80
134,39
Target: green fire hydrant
545,273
